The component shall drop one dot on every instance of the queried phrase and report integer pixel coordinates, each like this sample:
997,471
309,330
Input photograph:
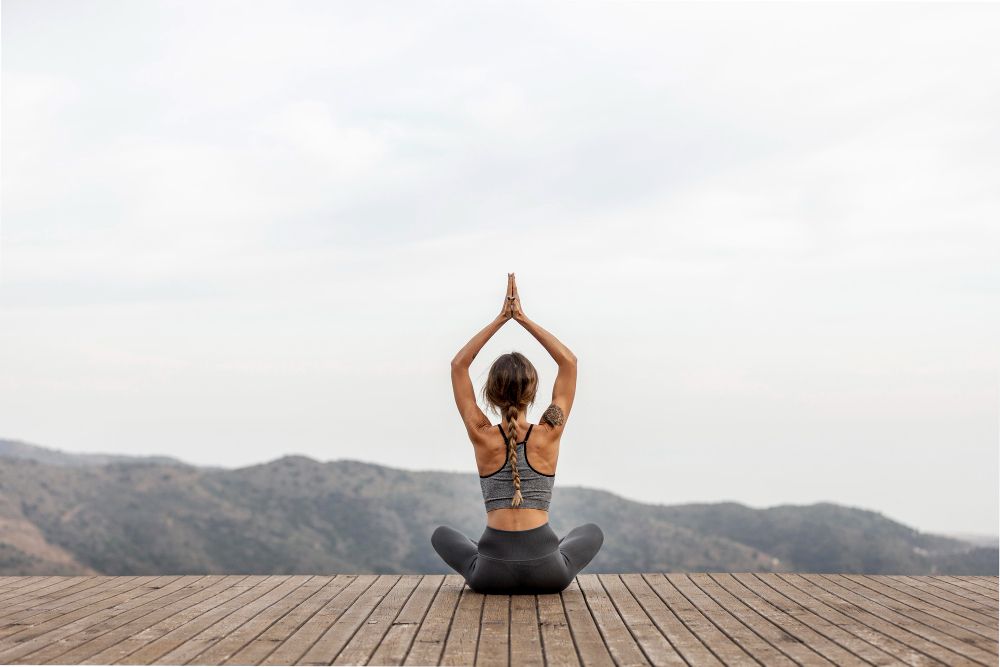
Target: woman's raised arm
469,351
553,345
564,389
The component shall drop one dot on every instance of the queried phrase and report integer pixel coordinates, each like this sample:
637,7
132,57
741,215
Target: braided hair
511,388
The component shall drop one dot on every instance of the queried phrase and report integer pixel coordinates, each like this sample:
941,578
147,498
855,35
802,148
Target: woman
518,552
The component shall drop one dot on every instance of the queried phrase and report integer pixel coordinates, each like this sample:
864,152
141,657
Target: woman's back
537,451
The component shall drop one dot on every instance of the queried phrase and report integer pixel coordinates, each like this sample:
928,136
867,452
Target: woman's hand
505,311
513,305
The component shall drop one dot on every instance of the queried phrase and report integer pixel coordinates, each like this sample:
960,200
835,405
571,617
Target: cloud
229,226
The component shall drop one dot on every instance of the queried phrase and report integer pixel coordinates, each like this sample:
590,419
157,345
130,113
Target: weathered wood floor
601,619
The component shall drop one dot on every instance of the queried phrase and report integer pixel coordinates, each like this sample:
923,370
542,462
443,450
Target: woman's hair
511,387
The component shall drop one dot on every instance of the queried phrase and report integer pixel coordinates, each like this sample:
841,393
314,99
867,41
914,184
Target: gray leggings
518,562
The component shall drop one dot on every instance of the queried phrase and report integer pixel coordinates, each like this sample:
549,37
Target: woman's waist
518,544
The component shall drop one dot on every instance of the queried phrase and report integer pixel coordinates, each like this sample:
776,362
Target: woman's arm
559,352
469,351
473,417
564,389
465,397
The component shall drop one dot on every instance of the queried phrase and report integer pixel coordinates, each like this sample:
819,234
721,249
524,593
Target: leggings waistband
518,544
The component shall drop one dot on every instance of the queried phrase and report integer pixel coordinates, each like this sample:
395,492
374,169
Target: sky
237,230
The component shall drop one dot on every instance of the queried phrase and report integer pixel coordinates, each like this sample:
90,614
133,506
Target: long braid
512,413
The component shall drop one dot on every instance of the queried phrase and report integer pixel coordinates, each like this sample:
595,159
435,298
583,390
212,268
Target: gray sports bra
498,487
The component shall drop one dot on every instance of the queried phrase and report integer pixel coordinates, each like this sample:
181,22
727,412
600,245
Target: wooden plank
34,637
952,594
193,648
525,638
727,623
43,589
886,636
463,634
972,640
971,591
878,617
290,651
696,621
29,613
336,637
394,646
556,638
673,629
784,630
366,639
493,649
850,634
38,583
624,647
775,642
260,648
933,600
169,635
432,634
30,604
987,583
234,641
117,630
654,644
632,618
590,644
13,582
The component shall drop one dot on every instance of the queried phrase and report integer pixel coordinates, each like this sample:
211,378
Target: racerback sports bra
498,487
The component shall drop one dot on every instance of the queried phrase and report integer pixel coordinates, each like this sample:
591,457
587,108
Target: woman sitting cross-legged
518,552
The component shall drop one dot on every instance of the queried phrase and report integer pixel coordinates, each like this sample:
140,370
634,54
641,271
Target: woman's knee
581,546
588,531
440,537
596,532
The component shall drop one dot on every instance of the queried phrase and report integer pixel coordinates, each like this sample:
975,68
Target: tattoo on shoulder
553,415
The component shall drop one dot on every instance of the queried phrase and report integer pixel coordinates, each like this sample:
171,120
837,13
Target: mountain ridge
114,514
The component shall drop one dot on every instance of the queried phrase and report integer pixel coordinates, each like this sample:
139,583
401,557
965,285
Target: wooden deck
601,619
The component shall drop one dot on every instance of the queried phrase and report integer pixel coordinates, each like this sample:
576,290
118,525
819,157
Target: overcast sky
237,230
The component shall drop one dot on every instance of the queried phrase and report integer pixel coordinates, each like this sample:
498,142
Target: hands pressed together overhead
512,302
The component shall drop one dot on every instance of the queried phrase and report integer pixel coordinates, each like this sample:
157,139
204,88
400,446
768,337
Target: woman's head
512,382
510,389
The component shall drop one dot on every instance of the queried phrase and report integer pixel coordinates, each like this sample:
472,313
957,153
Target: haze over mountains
64,513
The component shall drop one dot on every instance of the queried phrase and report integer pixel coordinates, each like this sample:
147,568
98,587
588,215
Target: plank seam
816,630
83,629
740,620
957,591
416,632
320,635
361,624
915,621
902,586
666,603
267,578
597,625
390,623
888,622
262,631
569,626
627,625
333,581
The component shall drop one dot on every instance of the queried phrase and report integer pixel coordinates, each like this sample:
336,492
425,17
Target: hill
296,515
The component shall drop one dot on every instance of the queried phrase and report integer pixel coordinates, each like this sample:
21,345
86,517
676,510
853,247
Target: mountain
16,449
70,514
